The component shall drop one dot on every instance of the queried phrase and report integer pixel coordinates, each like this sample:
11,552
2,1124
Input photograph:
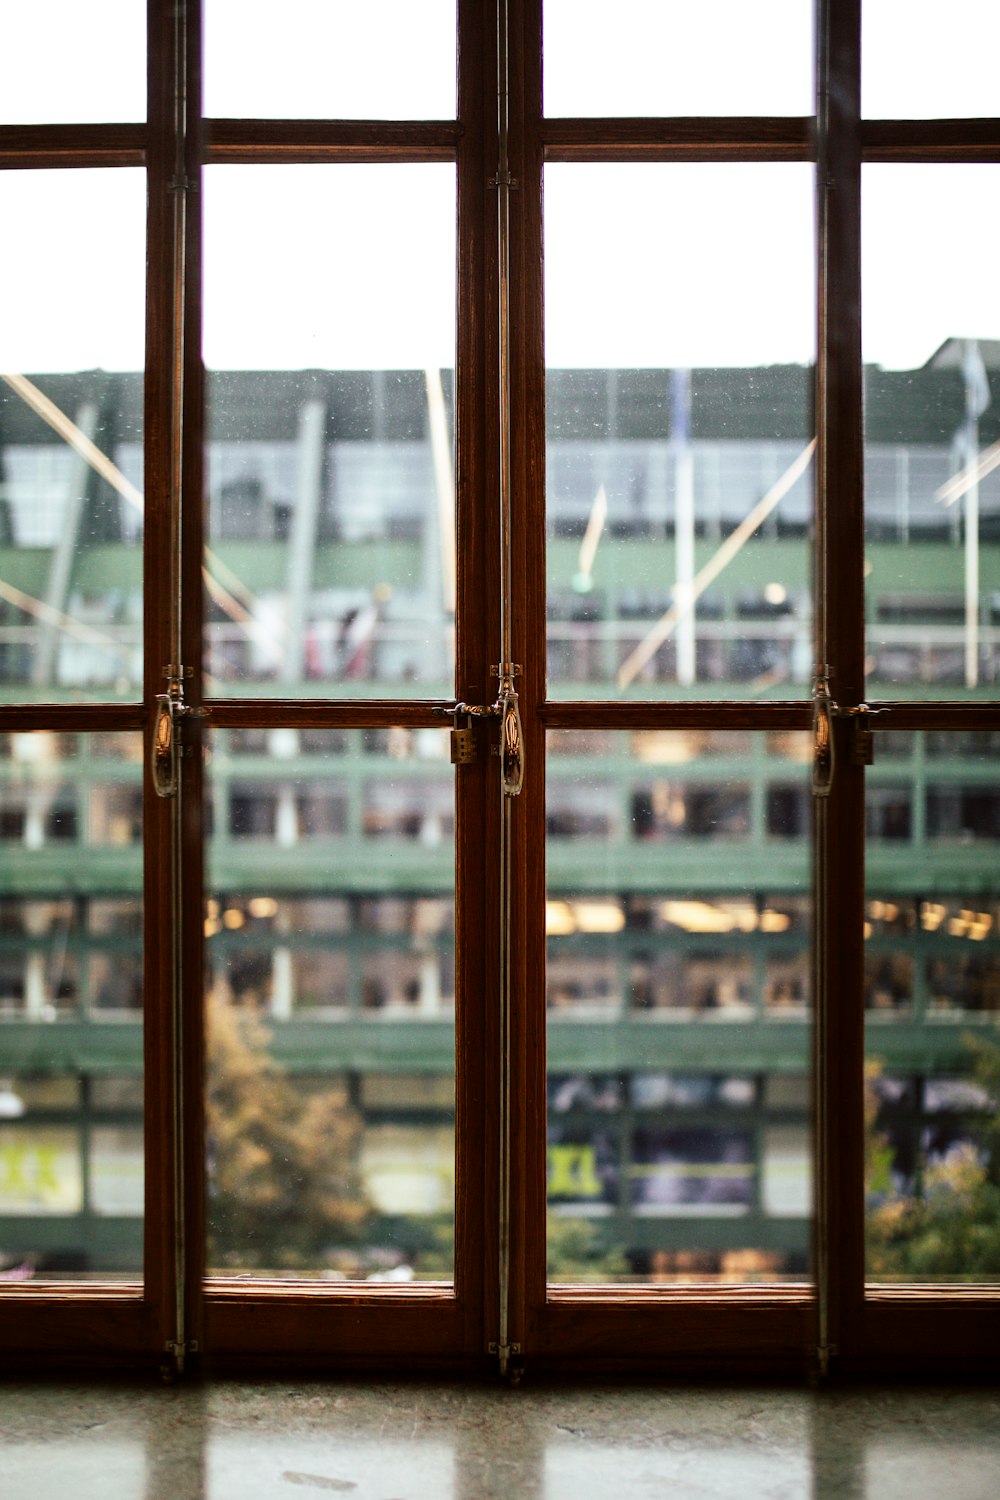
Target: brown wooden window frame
234,1324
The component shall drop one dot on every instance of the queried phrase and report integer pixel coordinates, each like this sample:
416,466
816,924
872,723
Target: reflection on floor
381,1441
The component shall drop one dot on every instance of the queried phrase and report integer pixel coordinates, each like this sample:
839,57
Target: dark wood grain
931,140
678,1329
58,146
904,714
159,614
330,140
683,139
257,1322
528,417
71,718
475,1146
190,1035
667,714
87,1329
261,1326
838,1031
338,713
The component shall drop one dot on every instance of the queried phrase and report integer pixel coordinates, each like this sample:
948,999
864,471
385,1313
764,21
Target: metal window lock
463,738
862,737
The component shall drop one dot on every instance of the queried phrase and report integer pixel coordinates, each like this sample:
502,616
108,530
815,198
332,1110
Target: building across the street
678,866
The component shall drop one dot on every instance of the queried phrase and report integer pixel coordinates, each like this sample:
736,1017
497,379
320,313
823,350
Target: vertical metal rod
503,263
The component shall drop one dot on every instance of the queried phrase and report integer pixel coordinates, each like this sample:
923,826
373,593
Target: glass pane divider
838,818
172,1056
72,145
317,141
696,138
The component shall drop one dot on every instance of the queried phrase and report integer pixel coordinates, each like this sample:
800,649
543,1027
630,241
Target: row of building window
422,812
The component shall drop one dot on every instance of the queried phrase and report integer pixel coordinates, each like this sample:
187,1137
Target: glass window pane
921,59
678,1001
71,506
67,62
679,429
325,59
330,474
668,57
331,1000
932,992
71,1001
932,424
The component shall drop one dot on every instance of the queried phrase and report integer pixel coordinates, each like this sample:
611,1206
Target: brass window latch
166,747
862,737
463,744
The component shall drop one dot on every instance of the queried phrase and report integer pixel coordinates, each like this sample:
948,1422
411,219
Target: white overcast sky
352,267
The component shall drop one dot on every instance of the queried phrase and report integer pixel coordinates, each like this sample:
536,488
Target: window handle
824,758
166,751
511,746
165,747
511,739
862,747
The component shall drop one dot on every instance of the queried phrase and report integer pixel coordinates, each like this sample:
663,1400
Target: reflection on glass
685,1161
330,1006
67,63
678,458
928,60
932,991
71,1158
71,504
386,59
647,57
932,466
331,518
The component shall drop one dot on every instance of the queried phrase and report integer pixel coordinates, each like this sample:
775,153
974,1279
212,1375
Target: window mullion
839,818
172,824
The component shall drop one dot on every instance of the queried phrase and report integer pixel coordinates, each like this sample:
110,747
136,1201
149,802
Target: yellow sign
573,1172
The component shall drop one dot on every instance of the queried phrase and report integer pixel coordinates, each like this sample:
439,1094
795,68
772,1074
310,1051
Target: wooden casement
176,1317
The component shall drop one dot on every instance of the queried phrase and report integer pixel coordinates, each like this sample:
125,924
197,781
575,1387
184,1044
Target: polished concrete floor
381,1441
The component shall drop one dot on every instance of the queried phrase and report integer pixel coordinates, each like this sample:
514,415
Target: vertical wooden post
839,593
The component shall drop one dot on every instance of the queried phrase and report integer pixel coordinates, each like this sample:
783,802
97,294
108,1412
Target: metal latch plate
864,747
862,736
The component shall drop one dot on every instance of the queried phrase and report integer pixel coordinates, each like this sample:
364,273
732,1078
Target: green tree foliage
283,1187
574,1253
952,1230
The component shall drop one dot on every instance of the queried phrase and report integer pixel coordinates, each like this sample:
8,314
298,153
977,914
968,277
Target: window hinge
177,1354
504,1353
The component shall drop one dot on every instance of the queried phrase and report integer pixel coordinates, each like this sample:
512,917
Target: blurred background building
678,912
